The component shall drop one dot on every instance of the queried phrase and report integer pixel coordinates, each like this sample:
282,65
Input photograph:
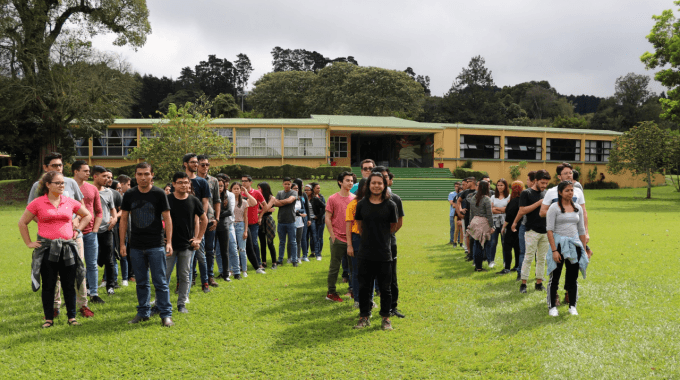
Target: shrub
127,170
10,172
292,171
600,185
516,170
467,164
462,172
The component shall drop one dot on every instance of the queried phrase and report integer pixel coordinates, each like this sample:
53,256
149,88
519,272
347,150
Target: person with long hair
267,230
319,208
303,248
499,201
310,236
55,250
226,236
239,264
511,237
300,217
481,224
353,230
567,238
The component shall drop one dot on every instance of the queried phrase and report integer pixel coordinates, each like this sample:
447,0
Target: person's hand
123,251
195,244
589,253
503,230
245,234
460,223
587,238
350,250
112,223
514,227
34,244
463,211
213,225
309,223
168,249
557,257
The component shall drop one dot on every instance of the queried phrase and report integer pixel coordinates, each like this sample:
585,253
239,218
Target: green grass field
459,324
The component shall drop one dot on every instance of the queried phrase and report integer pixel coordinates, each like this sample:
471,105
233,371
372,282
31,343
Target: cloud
580,47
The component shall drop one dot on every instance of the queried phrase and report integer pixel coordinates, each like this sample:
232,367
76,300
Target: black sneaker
519,276
155,311
138,318
539,287
182,309
237,276
523,288
296,264
504,271
395,312
97,299
116,286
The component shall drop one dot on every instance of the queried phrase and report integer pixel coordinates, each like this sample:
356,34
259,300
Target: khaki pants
536,244
81,289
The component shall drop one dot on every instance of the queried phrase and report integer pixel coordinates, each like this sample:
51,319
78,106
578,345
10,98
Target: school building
390,141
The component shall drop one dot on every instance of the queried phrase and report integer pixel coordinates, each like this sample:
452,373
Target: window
563,150
598,151
226,132
148,133
115,142
82,147
523,148
304,142
472,146
338,146
258,142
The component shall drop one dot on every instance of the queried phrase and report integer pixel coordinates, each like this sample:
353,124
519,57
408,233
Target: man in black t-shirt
184,207
376,217
536,236
145,204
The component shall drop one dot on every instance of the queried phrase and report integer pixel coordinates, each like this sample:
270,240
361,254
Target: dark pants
107,258
266,243
210,252
223,239
50,272
479,251
368,272
345,268
570,281
394,286
511,242
252,249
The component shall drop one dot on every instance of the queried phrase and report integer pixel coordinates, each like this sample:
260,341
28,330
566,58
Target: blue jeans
479,252
91,251
452,225
305,247
253,231
287,229
210,252
153,260
319,237
522,247
491,253
238,263
199,257
124,268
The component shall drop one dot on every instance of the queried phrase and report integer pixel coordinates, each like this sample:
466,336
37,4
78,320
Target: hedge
601,185
292,171
465,172
10,172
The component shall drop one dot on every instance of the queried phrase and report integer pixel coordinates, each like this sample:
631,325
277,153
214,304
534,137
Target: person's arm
487,212
217,207
360,227
393,228
527,209
98,213
197,225
348,231
206,204
25,219
112,221
585,222
168,232
122,230
553,247
85,217
251,200
202,227
459,210
544,210
245,223
329,225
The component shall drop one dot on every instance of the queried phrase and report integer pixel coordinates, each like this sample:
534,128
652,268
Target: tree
664,37
303,60
182,130
643,150
224,105
575,122
216,76
32,103
282,94
243,69
471,98
423,80
632,89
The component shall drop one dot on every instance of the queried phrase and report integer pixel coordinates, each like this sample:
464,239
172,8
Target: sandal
73,322
48,324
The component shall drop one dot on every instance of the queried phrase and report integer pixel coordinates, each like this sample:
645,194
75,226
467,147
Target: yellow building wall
344,161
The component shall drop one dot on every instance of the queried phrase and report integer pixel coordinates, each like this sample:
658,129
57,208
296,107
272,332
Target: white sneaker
553,312
111,291
187,301
356,305
318,258
492,264
103,284
125,283
572,310
289,262
260,271
244,274
305,259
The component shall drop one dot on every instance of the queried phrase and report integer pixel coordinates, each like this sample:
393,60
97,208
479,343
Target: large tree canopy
42,96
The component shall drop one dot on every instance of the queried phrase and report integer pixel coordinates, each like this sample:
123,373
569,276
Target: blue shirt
452,196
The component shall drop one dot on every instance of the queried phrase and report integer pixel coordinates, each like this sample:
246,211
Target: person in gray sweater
481,223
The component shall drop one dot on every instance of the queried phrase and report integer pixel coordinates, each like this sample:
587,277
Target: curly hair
517,188
44,180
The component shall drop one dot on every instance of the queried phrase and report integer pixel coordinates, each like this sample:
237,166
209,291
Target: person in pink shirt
336,208
56,242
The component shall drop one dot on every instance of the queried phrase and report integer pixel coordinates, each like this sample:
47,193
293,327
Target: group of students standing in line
82,227
549,226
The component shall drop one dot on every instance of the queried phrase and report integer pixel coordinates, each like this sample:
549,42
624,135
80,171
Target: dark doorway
393,150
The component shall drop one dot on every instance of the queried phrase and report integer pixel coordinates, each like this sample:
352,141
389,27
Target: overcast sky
580,47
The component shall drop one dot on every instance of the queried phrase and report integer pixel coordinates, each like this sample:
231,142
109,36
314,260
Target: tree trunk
649,183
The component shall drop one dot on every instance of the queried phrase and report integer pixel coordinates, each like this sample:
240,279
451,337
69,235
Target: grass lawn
459,323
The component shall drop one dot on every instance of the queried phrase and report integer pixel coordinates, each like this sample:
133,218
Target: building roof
387,122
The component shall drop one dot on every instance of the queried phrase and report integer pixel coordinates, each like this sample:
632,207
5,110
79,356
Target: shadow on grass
451,264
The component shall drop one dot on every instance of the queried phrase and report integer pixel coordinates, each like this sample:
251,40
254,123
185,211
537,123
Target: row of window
259,142
530,148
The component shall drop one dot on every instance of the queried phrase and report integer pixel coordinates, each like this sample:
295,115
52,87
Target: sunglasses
58,183
205,165
367,169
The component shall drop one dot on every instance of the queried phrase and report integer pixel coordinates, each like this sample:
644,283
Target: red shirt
93,204
54,223
252,211
337,205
